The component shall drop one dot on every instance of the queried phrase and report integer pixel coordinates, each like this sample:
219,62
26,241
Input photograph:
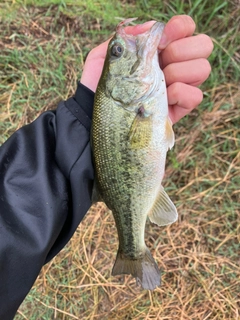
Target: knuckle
170,73
207,42
188,23
184,24
198,96
169,54
173,51
176,89
207,67
202,71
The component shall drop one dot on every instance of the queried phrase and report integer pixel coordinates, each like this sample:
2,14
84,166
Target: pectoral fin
169,134
164,211
140,133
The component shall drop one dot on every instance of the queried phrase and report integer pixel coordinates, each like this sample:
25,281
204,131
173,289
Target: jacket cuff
85,98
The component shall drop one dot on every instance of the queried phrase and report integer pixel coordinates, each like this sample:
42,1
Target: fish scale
117,170
131,133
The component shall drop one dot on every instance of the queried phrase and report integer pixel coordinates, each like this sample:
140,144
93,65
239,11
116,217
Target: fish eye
117,50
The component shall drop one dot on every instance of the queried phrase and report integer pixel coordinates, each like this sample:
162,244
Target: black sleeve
46,179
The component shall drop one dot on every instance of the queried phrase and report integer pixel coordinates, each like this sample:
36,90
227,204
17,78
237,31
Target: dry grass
198,255
42,53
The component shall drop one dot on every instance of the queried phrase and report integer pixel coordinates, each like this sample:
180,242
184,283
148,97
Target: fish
130,136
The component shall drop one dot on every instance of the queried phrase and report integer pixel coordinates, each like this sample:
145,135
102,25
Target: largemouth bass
131,134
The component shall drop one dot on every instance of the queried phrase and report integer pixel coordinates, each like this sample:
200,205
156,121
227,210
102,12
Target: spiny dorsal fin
169,133
164,211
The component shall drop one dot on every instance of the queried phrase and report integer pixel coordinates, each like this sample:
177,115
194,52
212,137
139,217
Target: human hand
183,60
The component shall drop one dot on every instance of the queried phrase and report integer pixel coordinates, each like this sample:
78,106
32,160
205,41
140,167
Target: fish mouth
145,44
142,65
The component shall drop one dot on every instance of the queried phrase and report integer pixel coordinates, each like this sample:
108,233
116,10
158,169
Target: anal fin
164,211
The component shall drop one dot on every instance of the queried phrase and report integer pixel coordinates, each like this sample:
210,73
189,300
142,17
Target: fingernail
150,22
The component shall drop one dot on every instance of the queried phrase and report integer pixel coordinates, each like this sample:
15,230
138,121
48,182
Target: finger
99,51
139,28
193,72
177,27
195,47
182,99
92,68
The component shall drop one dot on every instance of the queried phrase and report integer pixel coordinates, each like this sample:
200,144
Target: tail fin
144,269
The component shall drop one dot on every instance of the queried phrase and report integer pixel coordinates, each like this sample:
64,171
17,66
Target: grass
42,49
